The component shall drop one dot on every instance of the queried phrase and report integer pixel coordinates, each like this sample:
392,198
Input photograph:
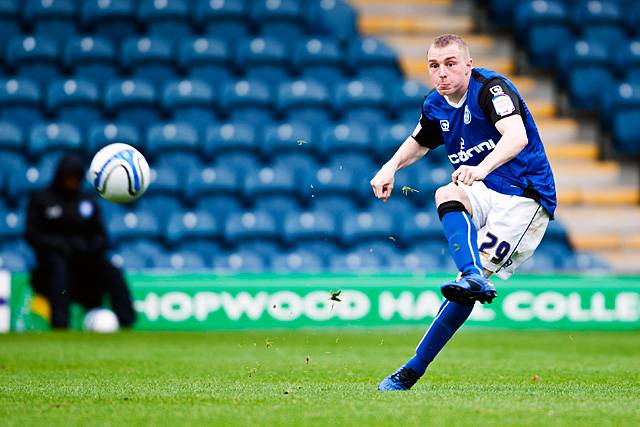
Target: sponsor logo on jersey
463,155
444,125
467,115
503,104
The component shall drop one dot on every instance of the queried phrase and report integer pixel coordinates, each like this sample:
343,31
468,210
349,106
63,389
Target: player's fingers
386,192
454,176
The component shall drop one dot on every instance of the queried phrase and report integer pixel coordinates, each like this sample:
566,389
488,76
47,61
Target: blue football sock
462,236
448,320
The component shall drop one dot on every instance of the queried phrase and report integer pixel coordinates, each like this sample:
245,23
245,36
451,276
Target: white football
101,320
119,173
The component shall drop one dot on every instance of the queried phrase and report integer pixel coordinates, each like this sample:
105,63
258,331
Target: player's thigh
481,200
513,230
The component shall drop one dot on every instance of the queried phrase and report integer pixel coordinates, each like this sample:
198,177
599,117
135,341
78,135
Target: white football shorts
510,228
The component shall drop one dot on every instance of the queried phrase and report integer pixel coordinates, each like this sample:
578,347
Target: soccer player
502,193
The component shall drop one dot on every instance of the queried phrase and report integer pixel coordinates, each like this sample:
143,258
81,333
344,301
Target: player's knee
448,193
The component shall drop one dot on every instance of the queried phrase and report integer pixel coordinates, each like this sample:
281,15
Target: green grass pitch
323,378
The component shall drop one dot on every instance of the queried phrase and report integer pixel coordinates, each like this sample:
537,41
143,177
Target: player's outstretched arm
408,153
513,141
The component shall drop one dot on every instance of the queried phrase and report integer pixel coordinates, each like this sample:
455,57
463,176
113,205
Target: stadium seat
75,101
52,137
248,226
301,227
90,57
164,17
283,19
148,58
265,247
114,19
355,262
20,101
208,250
263,58
206,59
220,180
11,138
319,58
105,133
166,181
297,261
158,202
406,101
9,21
12,225
144,247
415,262
389,136
220,205
345,138
329,182
580,262
304,100
628,60
177,261
191,226
370,58
227,19
358,227
626,137
242,162
242,261
12,261
599,20
51,18
302,164
287,137
428,178
540,25
132,100
132,225
179,137
269,182
184,161
35,58
335,18
129,260
190,101
278,205
230,137
360,101
247,100
399,206
586,67
420,226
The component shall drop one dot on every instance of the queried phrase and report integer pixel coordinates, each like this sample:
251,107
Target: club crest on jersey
467,115
444,125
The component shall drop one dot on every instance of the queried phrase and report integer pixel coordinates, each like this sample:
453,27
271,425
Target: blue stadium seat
52,137
242,261
319,58
189,100
148,58
345,138
371,58
144,247
12,261
364,226
247,100
302,164
329,181
263,58
278,205
297,261
287,137
334,18
427,179
90,57
420,226
132,100
9,21
227,19
191,226
265,247
105,133
501,11
582,262
129,260
51,18
540,25
166,181
269,182
32,57
361,101
12,225
230,137
283,19
11,139
588,69
304,100
406,100
248,226
132,225
177,261
208,250
628,59
389,137
212,181
114,19
624,113
164,17
322,248
20,101
399,206
600,20
355,262
220,205
75,101
416,262
540,262
242,162
301,227
172,137
632,14
158,202
206,59
184,161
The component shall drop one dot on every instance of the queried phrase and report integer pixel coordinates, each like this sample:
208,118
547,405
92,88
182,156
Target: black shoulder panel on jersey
497,99
428,133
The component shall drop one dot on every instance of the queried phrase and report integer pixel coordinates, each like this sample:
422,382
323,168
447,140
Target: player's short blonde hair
448,39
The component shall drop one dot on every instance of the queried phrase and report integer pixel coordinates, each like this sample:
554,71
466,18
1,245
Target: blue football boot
402,379
468,289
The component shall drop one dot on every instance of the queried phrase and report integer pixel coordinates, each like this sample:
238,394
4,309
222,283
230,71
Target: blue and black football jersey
468,133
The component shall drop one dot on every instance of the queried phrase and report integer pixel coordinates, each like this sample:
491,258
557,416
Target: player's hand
382,183
468,174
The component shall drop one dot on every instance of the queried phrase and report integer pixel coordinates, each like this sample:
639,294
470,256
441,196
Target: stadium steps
601,193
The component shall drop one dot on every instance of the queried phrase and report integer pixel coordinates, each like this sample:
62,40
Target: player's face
449,69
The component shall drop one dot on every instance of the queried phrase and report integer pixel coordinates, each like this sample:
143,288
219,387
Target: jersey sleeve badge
503,104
